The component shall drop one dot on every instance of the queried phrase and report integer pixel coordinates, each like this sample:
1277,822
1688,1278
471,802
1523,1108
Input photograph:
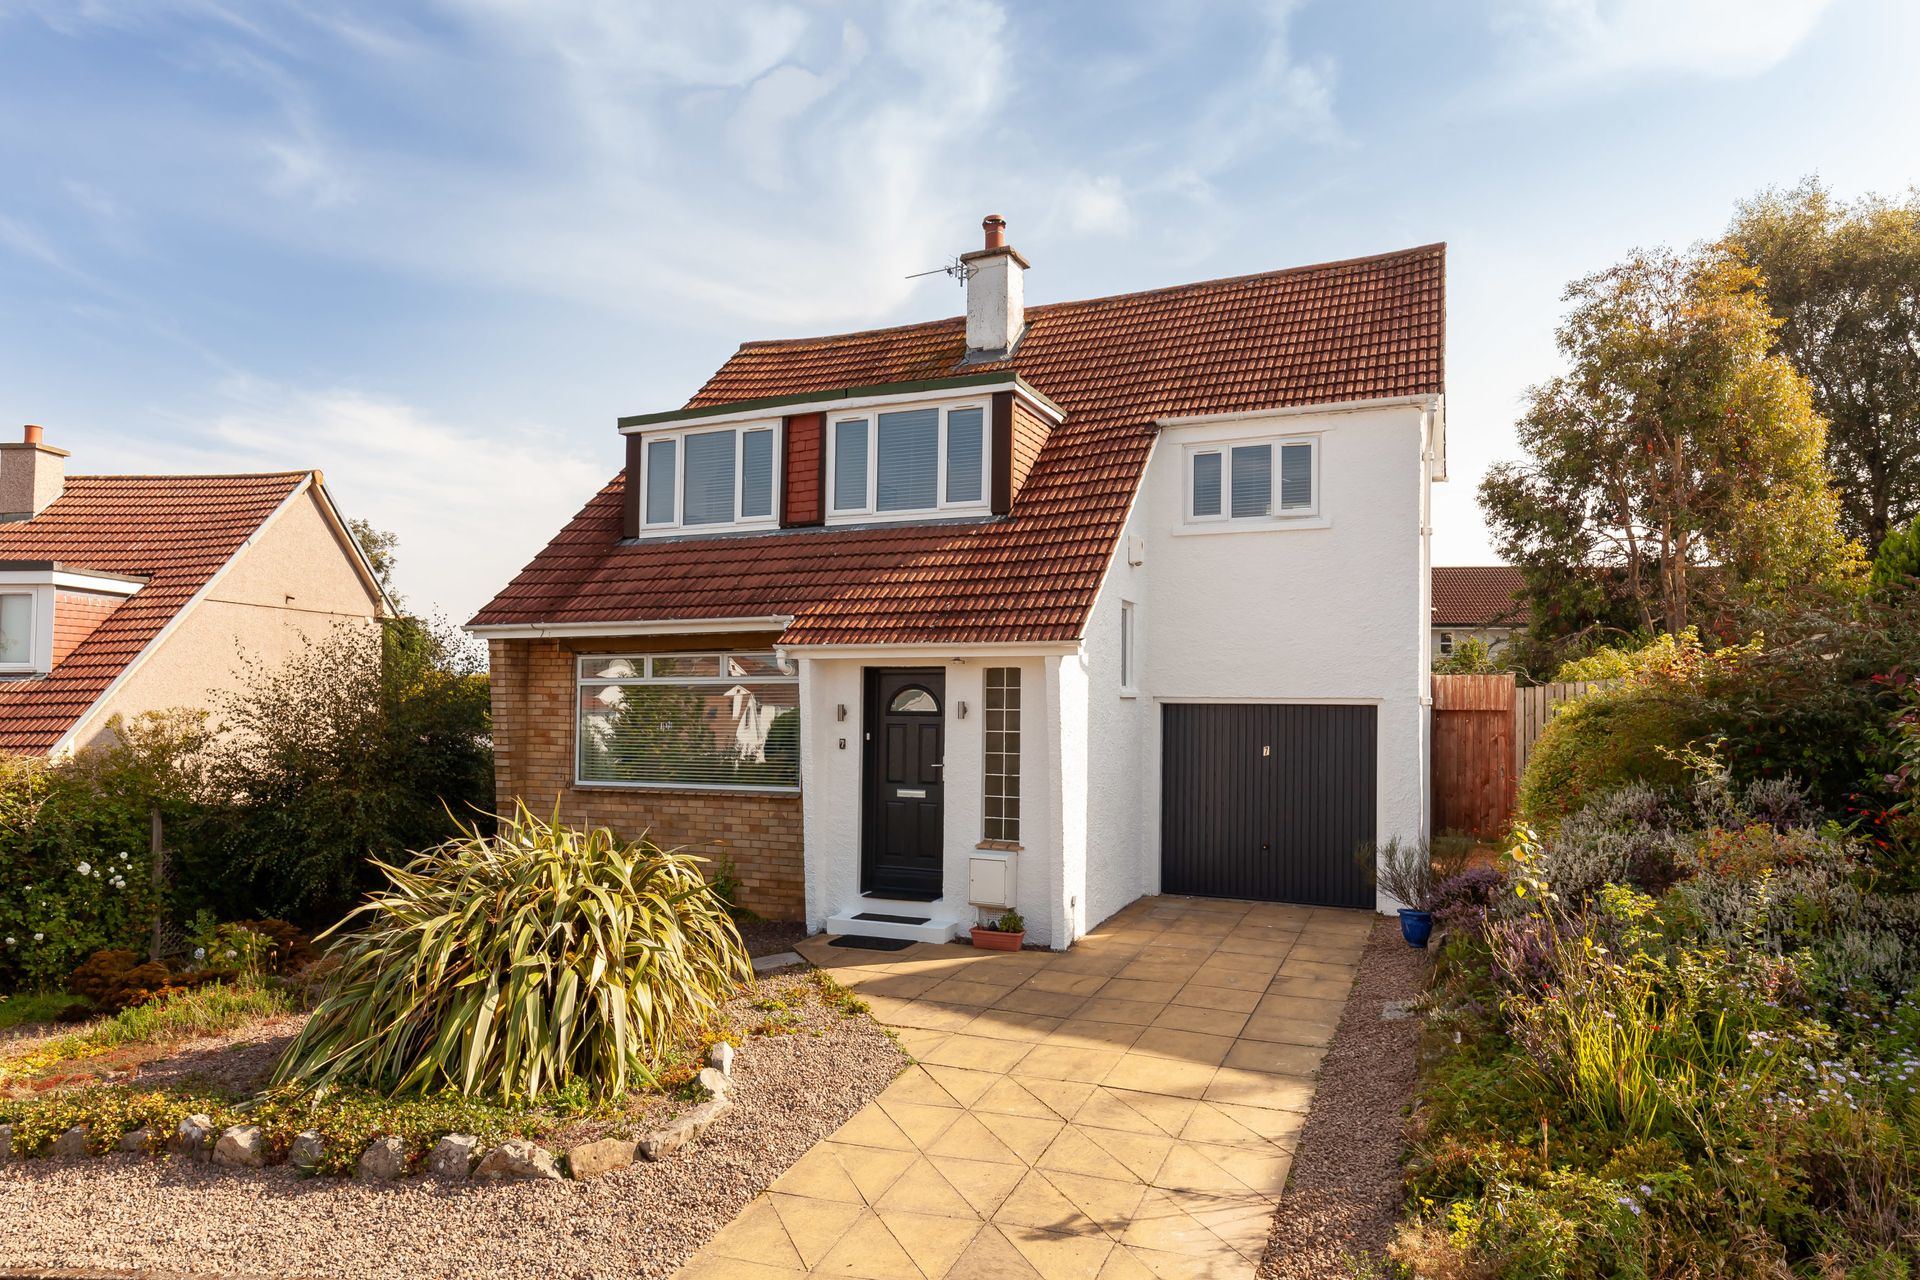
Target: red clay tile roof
174,531
1341,331
1477,595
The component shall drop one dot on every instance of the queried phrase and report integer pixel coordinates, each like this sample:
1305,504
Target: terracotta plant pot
994,940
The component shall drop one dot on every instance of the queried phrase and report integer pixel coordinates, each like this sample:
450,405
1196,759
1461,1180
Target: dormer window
911,461
719,477
16,631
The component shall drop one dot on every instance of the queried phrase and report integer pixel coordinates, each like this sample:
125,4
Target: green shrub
511,965
357,748
1605,740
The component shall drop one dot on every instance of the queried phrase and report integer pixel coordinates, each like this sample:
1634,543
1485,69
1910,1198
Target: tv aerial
960,271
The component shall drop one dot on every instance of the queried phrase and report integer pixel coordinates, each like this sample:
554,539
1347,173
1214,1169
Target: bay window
687,720
909,460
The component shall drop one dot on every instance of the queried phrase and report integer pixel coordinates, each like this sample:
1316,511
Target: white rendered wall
1334,612
831,781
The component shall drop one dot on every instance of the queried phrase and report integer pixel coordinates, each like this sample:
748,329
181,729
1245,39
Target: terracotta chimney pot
996,228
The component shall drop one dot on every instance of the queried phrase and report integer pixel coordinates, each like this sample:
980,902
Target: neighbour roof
174,531
1477,595
1362,329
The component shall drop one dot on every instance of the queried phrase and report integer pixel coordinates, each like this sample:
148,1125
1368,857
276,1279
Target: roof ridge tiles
1192,286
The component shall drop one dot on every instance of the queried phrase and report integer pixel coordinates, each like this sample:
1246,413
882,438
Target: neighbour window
1446,642
16,629
1259,481
721,476
909,460
1003,753
688,720
1129,657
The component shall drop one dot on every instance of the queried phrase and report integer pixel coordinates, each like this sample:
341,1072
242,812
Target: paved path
1123,1111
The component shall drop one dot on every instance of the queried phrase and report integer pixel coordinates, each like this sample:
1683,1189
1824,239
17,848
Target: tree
1896,565
1675,467
1844,281
378,545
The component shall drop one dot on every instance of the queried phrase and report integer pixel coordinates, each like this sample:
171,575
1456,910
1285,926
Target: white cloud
1576,40
470,505
1093,205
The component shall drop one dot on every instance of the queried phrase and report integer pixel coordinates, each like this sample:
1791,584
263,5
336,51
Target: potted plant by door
1005,933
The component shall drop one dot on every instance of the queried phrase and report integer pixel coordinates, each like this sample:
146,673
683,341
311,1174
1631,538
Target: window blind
1206,484
756,474
660,481
909,460
1296,477
1252,480
966,435
708,482
850,464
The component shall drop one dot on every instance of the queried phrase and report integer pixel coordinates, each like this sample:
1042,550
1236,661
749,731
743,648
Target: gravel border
131,1212
1344,1191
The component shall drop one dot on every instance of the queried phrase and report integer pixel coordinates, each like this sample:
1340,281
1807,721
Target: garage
1268,801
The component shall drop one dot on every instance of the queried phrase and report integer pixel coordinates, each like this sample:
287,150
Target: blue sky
435,249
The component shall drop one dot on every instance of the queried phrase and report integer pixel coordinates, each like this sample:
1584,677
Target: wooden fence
1484,730
1536,705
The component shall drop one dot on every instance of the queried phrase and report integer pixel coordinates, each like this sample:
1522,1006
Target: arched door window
914,700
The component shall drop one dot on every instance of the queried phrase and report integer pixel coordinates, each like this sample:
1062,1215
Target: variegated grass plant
509,966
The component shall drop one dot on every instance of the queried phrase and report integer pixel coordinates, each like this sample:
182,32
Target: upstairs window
16,631
909,461
704,479
1265,480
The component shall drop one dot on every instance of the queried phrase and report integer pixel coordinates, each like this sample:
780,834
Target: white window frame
868,513
35,651
679,525
644,664
1129,650
1446,644
1225,448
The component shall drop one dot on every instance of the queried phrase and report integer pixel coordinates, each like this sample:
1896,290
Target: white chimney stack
32,476
996,295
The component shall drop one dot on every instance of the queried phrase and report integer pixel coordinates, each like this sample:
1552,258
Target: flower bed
1681,1040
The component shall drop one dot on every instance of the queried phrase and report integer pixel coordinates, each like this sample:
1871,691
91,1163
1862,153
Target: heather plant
512,965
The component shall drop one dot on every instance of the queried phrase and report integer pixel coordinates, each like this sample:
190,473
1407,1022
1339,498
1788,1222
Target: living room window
909,461
1002,741
687,721
1260,480
710,479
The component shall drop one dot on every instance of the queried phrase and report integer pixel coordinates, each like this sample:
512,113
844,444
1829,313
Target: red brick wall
805,468
74,618
533,741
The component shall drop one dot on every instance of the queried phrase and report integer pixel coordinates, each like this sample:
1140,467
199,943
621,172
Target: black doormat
887,919
861,942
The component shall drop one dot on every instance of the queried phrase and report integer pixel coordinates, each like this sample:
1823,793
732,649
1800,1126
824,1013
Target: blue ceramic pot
1416,926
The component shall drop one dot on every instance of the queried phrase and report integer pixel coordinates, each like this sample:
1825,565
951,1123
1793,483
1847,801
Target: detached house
126,594
1041,607
1476,602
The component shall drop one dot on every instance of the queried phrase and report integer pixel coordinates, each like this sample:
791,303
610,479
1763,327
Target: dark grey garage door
1267,801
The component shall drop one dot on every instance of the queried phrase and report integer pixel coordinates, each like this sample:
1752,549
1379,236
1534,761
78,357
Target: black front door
905,748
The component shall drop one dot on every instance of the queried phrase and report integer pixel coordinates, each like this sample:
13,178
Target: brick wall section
1029,433
805,467
533,739
75,615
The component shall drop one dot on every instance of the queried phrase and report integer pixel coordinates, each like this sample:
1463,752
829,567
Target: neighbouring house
1040,607
1476,602
126,594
